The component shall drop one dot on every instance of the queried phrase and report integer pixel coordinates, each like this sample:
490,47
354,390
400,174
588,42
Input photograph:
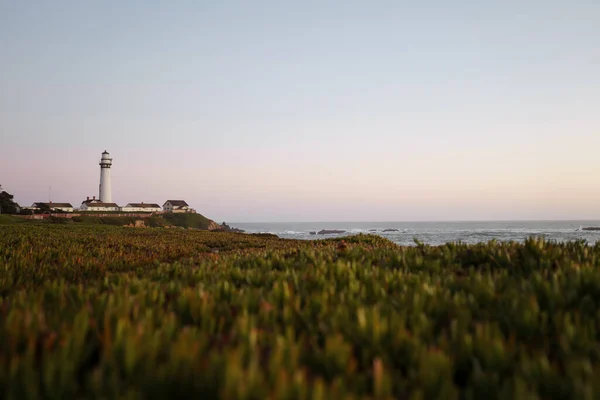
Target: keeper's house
141,207
53,207
177,206
102,207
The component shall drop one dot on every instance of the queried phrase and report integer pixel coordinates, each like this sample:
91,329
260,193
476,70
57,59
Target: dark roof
53,205
177,203
91,201
105,152
143,205
103,205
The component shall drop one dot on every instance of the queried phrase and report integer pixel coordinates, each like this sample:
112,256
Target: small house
141,207
177,206
99,207
52,207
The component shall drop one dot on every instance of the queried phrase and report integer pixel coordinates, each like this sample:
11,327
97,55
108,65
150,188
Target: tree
7,205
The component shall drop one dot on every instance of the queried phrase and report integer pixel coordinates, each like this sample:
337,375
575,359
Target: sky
307,111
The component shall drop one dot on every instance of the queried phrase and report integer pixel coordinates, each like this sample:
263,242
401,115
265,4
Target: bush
7,205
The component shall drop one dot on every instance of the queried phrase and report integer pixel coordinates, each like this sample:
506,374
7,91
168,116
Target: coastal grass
119,221
188,220
8,219
103,312
183,220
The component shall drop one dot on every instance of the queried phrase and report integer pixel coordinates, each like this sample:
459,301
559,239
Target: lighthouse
105,164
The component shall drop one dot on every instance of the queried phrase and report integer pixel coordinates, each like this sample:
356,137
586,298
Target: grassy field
104,311
185,220
7,219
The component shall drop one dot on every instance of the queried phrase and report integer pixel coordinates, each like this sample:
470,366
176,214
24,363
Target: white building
141,207
103,207
105,184
51,206
177,206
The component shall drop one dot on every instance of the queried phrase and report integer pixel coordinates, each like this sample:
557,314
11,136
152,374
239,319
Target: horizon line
417,221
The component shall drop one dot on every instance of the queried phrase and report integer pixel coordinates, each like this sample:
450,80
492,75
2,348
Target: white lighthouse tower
105,164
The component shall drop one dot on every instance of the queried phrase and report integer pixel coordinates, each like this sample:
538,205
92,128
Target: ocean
435,233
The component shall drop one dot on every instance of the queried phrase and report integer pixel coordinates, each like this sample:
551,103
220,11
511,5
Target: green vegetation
186,220
119,221
195,221
104,312
6,219
7,205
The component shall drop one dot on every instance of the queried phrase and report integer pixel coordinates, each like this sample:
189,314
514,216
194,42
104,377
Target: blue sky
305,111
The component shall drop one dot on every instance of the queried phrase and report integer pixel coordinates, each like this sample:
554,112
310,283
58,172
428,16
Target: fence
71,215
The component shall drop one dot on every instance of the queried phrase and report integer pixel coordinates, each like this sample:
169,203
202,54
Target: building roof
88,201
143,205
177,203
102,205
52,205
105,152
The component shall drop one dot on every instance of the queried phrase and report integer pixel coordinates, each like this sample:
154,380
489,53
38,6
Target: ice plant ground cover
103,312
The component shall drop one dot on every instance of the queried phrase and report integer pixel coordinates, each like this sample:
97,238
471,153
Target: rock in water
329,232
226,228
391,230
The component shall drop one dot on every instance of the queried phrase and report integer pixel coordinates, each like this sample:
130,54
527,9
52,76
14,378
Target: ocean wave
436,233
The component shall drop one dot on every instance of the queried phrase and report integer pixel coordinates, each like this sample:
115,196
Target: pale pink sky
349,111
